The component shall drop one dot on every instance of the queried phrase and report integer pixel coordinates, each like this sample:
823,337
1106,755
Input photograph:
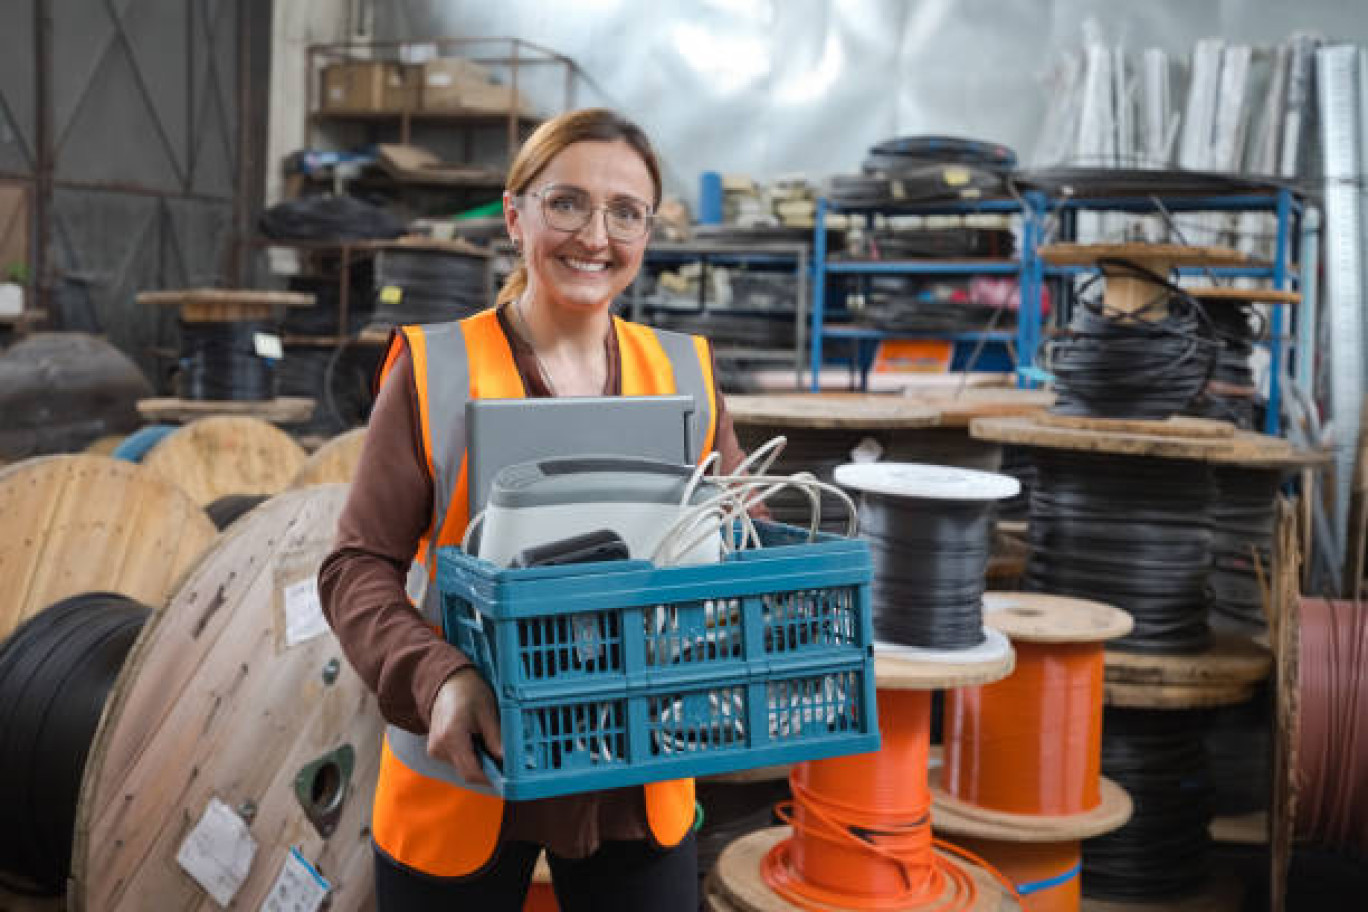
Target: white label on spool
299,888
218,852
268,346
303,612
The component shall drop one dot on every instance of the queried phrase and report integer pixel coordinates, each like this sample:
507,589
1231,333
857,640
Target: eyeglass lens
569,209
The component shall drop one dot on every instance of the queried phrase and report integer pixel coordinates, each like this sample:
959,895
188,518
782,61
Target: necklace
524,330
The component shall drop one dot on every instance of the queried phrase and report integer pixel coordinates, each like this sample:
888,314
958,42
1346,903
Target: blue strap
1027,889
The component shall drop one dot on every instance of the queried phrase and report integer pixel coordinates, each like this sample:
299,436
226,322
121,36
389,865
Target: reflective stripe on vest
452,364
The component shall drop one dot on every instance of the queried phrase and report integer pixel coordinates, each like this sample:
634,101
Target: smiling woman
579,204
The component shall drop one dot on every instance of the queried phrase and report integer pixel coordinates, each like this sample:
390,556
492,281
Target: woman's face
582,270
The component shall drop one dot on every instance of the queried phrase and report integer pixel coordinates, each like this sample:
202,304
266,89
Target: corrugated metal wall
768,87
123,117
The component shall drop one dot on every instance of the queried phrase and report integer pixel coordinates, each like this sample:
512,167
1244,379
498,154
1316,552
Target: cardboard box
370,85
454,84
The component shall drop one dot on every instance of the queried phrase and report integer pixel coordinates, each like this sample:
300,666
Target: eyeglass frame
540,195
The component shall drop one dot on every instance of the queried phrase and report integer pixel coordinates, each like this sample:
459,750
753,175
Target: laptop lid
504,432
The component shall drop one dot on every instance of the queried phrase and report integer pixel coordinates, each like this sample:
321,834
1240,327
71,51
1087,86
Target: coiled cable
1159,758
1147,364
219,361
56,672
1129,532
434,285
1242,519
929,559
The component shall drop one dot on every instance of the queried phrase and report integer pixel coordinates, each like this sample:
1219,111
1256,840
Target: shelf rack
1045,215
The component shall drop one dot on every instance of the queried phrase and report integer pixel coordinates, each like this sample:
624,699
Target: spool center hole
326,787
1027,612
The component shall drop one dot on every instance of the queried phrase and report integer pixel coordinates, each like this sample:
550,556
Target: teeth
585,265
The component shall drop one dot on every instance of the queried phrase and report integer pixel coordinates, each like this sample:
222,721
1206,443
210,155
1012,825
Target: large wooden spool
215,457
219,701
333,462
82,523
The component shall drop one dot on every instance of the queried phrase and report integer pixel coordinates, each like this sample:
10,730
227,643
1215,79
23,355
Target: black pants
619,877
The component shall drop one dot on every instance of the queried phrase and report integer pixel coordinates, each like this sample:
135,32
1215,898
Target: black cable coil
1129,532
930,558
891,155
1238,741
219,362
1242,519
821,451
1230,395
436,285
1149,364
1160,759
338,379
328,218
231,507
56,672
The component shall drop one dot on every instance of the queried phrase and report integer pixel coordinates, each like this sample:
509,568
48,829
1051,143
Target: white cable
470,529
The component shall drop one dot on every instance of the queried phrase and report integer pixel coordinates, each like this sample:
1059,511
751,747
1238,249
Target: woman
579,203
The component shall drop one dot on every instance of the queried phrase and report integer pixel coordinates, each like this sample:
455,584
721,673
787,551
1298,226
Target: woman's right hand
464,709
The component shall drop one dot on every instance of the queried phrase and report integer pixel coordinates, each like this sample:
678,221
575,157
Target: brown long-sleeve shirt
361,584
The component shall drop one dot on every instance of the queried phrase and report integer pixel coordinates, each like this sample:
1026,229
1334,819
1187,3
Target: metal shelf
923,267
1037,211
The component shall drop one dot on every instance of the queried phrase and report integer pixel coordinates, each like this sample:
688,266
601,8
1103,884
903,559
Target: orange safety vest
422,818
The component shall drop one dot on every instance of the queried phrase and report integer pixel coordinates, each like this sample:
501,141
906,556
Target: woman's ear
512,218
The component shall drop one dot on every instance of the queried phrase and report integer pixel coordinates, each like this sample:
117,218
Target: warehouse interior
1029,337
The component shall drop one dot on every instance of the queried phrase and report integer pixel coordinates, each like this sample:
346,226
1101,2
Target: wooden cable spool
79,523
236,692
333,462
216,457
1224,675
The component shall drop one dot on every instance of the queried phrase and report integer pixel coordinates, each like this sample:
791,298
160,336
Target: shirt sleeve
361,583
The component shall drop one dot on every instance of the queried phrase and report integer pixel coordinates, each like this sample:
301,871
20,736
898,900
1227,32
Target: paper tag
391,294
299,888
955,176
303,612
268,346
218,852
896,189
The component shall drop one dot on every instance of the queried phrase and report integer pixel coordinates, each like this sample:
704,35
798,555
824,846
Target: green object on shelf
488,210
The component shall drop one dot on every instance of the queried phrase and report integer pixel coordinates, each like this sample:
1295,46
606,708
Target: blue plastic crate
618,673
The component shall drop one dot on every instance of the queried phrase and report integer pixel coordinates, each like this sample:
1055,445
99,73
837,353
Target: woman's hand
465,709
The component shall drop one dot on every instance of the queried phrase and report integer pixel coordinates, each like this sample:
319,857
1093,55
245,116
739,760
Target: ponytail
514,285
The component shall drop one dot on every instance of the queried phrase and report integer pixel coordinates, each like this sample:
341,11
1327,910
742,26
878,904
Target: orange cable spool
1028,748
862,826
1031,743
1046,873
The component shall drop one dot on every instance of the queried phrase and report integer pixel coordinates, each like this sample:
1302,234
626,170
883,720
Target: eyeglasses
569,209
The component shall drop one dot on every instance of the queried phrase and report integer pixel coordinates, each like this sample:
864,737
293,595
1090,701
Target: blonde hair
548,141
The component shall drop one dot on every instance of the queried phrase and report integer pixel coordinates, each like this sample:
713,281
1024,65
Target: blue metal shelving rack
1282,271
1038,211
1026,267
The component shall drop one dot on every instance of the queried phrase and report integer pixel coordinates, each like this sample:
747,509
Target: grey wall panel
774,86
114,135
16,90
198,235
156,31
215,64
